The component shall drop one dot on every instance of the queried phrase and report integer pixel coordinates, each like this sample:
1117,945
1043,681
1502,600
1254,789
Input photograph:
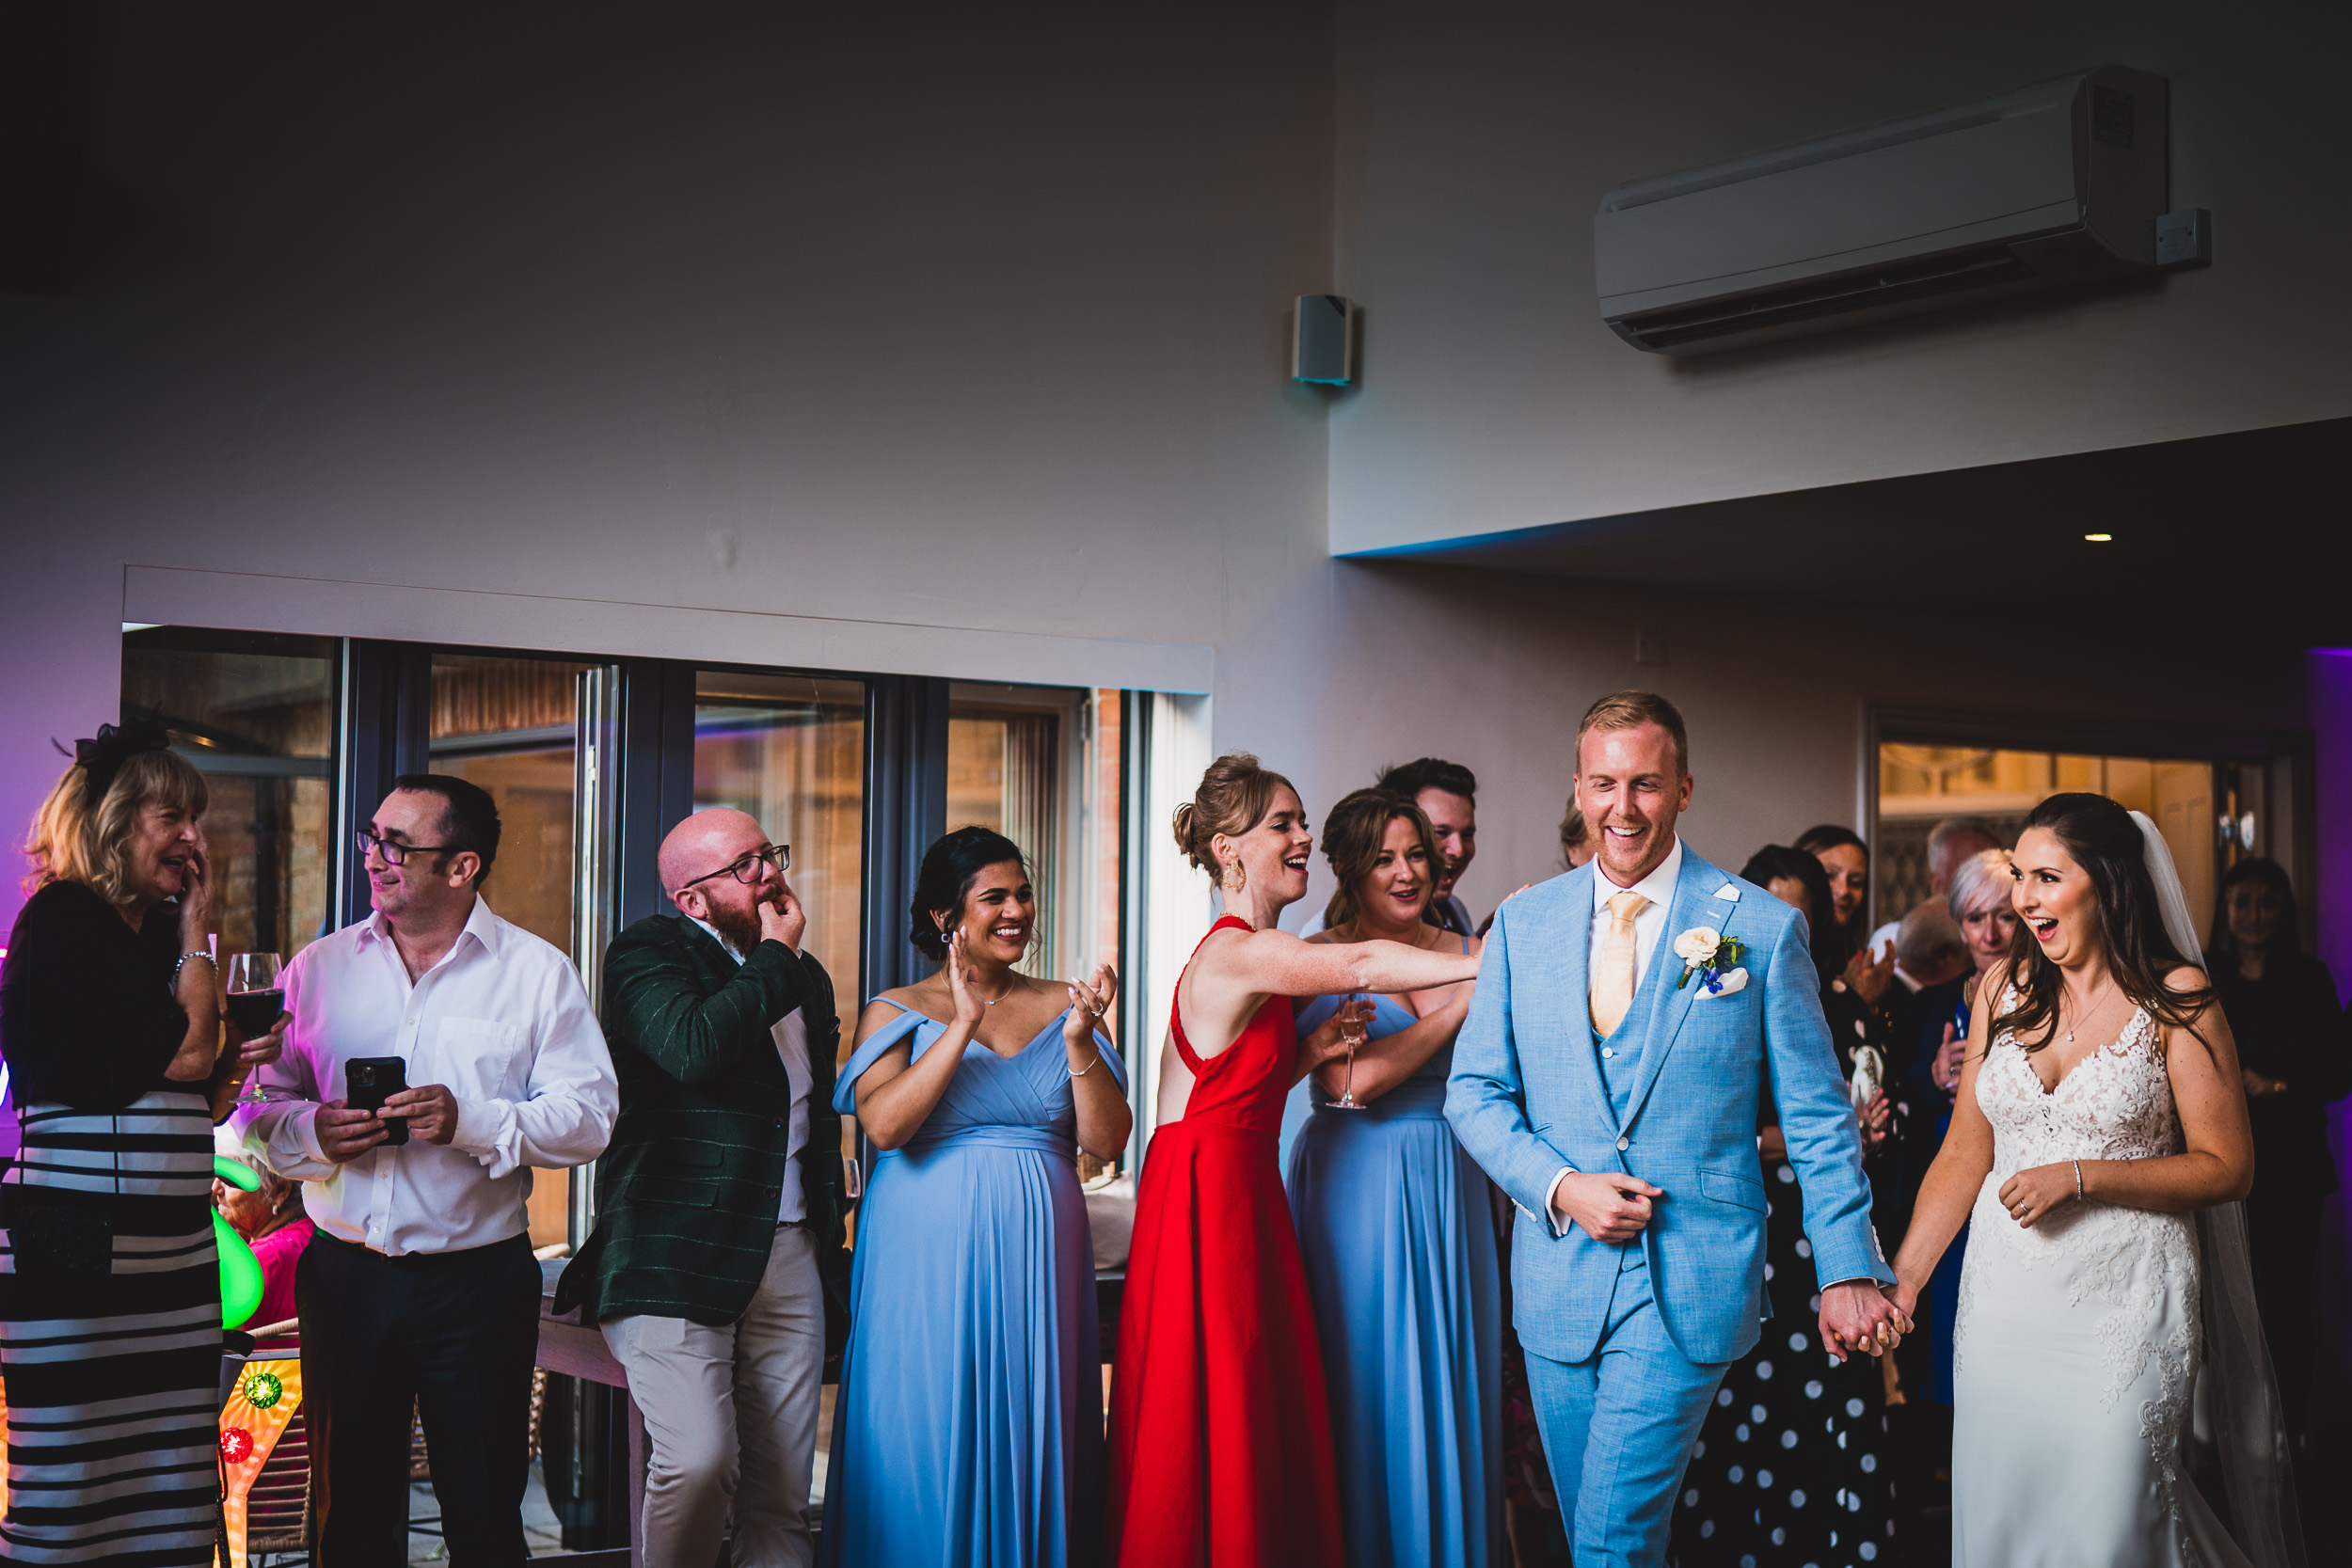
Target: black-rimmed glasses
393,850
745,868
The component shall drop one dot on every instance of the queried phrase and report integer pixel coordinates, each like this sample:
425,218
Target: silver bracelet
2078,1177
191,953
1088,1068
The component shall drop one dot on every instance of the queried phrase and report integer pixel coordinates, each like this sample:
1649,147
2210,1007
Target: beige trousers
731,1416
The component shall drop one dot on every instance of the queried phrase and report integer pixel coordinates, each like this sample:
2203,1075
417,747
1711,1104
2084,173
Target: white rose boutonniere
1710,955
1697,945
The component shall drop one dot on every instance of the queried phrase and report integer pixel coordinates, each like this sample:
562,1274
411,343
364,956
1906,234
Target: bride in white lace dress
2099,1107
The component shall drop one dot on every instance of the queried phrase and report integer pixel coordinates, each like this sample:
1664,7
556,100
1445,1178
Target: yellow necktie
1613,978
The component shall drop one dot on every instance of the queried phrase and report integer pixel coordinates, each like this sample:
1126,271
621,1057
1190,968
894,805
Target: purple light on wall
2329,682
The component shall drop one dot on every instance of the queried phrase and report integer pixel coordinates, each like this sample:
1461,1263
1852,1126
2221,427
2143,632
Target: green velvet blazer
686,1194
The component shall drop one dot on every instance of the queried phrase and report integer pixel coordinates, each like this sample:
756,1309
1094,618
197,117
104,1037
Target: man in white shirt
419,1288
718,1271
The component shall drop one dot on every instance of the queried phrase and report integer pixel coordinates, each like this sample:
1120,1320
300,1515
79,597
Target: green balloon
240,1271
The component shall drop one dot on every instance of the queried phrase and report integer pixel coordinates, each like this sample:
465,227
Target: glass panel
1922,785
511,725
1006,771
256,714
790,749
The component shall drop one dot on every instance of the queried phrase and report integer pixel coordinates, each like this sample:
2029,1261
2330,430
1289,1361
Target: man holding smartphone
420,1288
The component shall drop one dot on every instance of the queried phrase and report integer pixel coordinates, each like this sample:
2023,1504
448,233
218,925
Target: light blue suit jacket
1527,1097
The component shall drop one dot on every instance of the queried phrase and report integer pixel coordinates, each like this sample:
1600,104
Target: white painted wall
1477,139
970,322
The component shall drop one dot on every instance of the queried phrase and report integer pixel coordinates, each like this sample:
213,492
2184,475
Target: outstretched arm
1815,1115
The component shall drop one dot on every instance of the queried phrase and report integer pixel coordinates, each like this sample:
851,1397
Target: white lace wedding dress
2077,1340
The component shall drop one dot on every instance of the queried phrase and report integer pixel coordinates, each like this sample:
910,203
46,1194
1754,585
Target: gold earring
1240,874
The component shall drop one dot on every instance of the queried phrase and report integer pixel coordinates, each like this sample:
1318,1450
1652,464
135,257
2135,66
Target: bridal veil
2237,1392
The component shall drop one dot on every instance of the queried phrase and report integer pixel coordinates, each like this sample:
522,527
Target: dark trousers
454,1335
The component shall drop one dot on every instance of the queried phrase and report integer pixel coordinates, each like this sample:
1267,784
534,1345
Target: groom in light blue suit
1608,1078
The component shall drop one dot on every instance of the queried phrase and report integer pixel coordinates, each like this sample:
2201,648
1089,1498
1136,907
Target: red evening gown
1220,1440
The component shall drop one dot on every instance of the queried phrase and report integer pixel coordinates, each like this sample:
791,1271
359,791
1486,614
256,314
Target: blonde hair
1353,835
1629,710
1234,796
72,843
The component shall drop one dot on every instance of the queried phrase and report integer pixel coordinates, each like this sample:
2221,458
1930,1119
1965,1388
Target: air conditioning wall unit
2057,184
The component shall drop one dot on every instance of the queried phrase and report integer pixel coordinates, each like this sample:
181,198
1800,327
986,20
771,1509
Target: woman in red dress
1220,1433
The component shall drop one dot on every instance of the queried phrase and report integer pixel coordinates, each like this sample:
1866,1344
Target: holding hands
1859,1318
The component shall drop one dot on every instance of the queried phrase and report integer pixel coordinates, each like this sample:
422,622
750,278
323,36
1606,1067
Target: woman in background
1846,860
1795,1455
1220,1426
969,1425
110,1307
272,1221
1396,1232
2293,1058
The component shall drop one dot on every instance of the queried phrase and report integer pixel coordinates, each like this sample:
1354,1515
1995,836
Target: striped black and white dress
110,1334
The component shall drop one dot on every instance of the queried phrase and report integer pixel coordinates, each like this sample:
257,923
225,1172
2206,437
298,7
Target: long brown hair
2100,837
1352,837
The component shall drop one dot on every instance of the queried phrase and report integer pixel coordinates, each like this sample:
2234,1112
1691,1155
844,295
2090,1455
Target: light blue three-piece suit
1625,1345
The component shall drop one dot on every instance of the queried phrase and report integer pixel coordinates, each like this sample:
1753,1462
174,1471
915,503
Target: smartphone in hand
370,1080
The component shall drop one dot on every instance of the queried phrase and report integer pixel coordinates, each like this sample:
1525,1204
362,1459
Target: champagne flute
257,995
1354,1037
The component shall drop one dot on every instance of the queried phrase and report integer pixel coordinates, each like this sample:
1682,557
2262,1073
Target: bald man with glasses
717,1270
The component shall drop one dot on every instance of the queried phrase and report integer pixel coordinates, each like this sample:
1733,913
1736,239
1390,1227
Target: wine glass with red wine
257,995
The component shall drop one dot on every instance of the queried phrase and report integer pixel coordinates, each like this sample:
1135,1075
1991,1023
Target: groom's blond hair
1630,710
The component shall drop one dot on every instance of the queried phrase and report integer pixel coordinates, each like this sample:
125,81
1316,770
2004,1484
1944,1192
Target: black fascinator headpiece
101,757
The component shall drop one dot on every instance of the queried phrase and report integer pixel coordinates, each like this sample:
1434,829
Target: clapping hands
1089,1004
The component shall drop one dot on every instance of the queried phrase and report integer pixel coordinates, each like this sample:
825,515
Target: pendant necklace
2070,1034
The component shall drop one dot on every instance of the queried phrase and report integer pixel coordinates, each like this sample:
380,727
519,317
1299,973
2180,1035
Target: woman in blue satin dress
968,1429
1397,1235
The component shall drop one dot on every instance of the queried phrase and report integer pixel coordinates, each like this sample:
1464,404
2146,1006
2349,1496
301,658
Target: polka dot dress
1792,1467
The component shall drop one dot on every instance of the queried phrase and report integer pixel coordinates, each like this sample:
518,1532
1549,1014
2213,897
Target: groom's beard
737,927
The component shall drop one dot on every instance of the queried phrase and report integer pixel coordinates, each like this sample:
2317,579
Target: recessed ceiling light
2100,538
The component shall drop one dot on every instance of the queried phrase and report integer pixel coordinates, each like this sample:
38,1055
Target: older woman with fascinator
110,1326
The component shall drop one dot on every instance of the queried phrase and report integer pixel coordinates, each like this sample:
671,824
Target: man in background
1952,841
717,1270
419,1291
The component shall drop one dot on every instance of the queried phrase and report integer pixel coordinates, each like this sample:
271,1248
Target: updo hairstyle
1234,796
1353,835
950,866
75,840
2100,837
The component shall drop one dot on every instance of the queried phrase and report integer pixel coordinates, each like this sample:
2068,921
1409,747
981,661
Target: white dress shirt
791,1032
502,1022
1648,926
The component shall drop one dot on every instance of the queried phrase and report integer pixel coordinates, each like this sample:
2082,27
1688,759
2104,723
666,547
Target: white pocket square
1723,985
1729,891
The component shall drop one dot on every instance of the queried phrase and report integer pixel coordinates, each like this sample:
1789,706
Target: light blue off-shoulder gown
968,1427
1394,1225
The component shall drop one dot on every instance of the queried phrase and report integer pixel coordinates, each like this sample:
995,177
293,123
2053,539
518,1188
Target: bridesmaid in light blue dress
968,1427
1398,1238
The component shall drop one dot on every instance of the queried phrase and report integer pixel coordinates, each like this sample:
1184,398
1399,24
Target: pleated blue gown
1394,1224
968,1427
